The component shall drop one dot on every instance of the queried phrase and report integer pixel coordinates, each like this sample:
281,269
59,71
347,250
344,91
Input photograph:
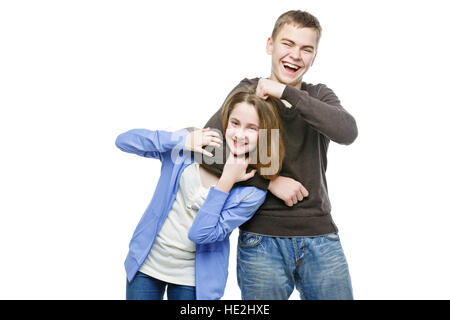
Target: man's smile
289,67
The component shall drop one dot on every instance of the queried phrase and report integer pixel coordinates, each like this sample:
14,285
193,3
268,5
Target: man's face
293,52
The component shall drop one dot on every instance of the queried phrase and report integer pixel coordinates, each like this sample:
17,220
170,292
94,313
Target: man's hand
288,190
267,87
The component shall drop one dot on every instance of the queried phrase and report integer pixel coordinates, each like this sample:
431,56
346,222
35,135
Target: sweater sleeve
324,113
214,223
151,144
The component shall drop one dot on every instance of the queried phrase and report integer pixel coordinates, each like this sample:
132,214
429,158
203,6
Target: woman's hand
234,171
197,139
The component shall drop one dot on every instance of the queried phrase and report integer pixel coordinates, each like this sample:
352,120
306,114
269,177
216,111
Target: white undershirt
172,257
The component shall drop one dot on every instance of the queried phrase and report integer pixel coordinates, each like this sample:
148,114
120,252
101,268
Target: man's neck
298,85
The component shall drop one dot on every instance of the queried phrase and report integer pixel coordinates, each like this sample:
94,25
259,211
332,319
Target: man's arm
323,113
284,188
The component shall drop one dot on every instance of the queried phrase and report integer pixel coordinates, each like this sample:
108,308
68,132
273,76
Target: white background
75,74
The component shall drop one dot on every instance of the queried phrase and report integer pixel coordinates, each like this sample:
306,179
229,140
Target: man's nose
295,54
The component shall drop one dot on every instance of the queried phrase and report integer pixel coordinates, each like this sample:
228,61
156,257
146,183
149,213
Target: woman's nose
240,134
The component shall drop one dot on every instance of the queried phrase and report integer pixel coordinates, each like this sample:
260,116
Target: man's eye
288,44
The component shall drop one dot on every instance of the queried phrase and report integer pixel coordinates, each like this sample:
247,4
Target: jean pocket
249,240
332,236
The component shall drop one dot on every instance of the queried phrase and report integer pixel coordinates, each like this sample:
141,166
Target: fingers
289,202
249,175
197,139
211,138
299,195
303,191
206,153
241,159
209,132
261,93
261,90
215,142
294,199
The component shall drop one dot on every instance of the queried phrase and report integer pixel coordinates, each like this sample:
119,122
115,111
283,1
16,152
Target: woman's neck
208,179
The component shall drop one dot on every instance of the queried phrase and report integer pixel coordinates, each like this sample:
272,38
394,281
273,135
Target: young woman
182,240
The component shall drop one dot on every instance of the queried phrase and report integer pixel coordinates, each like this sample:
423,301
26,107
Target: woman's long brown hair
269,119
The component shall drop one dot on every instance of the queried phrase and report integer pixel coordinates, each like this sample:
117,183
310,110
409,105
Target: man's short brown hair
297,18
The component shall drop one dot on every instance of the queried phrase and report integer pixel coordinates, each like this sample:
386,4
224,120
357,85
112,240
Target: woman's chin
239,152
236,151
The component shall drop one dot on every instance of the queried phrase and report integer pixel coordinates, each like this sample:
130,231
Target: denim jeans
144,287
268,268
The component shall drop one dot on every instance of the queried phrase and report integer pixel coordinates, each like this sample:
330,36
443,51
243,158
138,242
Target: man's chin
290,81
293,82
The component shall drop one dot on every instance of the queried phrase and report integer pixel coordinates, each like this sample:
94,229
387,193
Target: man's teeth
291,66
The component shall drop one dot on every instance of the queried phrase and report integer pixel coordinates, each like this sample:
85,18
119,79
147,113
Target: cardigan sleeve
151,144
215,221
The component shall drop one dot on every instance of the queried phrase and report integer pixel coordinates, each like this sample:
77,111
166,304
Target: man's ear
269,46
314,59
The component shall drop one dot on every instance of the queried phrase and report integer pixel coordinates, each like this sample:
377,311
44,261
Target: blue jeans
268,268
144,287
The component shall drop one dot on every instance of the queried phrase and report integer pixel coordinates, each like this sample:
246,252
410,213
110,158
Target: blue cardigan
220,214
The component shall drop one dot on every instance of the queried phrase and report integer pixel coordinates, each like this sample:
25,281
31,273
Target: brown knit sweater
315,117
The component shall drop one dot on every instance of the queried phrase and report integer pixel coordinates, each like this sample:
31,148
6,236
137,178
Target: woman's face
242,131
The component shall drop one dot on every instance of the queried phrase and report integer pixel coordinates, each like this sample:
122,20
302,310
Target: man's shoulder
316,90
249,81
305,85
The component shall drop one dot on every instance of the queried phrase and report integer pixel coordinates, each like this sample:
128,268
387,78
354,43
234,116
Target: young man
292,240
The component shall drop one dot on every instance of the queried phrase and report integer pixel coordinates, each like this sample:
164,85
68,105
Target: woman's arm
150,144
214,223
